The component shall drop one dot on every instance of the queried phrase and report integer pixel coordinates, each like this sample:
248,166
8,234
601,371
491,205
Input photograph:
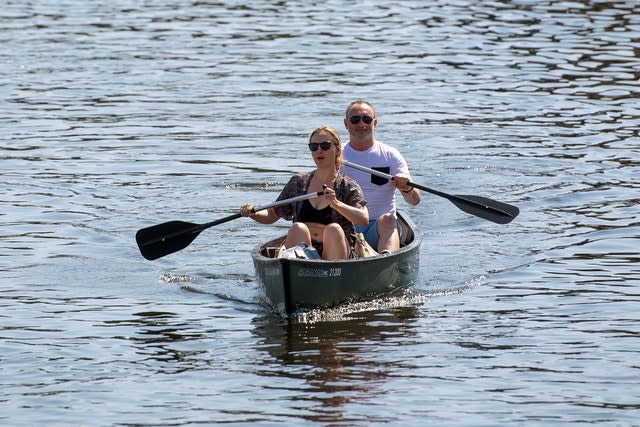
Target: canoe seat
406,234
272,249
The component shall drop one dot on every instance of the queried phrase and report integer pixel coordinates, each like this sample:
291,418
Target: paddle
483,207
163,239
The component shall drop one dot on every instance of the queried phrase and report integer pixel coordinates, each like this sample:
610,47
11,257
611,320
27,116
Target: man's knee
386,222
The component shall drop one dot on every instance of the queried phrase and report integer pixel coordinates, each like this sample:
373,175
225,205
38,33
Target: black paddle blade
163,239
483,207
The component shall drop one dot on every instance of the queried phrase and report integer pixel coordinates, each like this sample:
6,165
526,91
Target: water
122,115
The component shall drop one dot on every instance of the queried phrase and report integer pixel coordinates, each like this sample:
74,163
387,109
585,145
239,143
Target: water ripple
120,115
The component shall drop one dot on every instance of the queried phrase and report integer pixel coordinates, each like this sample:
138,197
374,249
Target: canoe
294,284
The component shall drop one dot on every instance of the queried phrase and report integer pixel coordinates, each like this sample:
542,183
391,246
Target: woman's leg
334,243
298,233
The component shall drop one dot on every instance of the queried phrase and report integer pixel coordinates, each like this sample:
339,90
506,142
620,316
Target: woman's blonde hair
336,140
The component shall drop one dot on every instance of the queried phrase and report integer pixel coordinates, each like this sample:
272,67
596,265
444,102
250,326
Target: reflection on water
337,360
157,334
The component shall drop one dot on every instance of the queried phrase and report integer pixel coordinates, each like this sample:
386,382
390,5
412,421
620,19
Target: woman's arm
267,216
358,215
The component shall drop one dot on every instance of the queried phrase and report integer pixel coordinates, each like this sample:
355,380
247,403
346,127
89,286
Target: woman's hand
357,215
247,210
330,196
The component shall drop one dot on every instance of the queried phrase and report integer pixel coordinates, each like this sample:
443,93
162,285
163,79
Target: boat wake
408,298
447,289
411,297
174,278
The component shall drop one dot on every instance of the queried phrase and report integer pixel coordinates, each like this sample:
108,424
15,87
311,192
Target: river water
123,114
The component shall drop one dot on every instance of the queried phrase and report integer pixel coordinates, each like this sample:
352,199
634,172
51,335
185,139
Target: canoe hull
294,284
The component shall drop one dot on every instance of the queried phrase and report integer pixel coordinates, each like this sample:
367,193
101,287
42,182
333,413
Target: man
363,149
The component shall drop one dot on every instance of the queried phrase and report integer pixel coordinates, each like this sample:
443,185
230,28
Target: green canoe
294,284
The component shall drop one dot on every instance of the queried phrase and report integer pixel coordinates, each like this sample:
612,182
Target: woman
324,222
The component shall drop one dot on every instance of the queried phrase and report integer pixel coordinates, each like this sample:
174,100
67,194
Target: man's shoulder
387,152
384,147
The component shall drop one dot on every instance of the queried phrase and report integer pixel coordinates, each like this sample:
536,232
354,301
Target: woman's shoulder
302,177
348,181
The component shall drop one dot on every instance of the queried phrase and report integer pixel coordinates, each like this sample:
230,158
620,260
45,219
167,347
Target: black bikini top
310,214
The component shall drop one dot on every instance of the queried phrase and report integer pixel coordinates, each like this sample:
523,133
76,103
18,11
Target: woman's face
326,149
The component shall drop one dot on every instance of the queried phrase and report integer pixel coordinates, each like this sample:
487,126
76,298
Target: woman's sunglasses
325,145
356,119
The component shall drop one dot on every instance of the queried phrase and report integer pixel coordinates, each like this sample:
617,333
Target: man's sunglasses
356,119
313,146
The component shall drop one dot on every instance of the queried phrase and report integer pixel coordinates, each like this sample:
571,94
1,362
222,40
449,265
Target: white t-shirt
380,196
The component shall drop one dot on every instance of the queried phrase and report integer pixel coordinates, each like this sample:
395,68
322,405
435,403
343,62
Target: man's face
357,118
